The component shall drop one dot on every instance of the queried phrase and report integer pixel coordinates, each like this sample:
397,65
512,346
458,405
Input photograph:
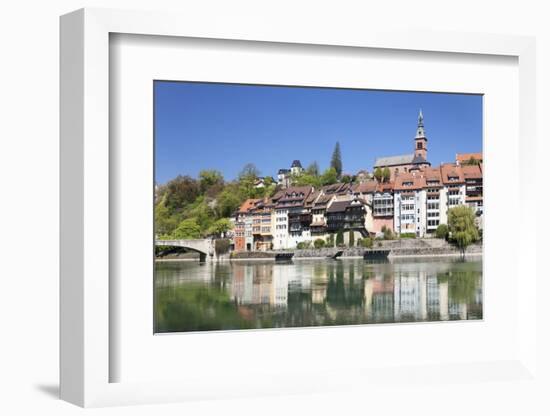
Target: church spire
420,133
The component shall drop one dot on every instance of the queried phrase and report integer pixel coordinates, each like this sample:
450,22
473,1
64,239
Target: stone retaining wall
403,247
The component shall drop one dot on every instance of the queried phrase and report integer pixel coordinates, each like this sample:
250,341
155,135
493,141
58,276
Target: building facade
414,200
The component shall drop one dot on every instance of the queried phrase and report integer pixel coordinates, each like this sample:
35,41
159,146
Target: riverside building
414,200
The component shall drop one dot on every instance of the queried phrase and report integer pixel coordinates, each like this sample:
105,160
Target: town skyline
453,124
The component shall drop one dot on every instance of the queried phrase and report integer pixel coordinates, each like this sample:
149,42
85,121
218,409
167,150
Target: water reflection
241,295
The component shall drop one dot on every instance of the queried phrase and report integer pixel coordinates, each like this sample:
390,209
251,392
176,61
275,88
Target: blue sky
225,126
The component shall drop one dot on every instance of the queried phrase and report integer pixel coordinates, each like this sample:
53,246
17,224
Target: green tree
351,241
386,174
181,191
462,227
330,240
378,174
347,179
329,177
165,221
306,179
319,243
220,226
442,231
249,171
367,242
247,180
187,229
209,179
228,202
336,160
202,213
313,169
340,238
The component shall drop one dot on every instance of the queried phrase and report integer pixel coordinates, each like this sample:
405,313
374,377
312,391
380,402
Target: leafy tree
306,179
336,160
442,231
247,179
330,240
181,191
249,171
228,202
340,238
220,226
329,177
165,221
313,169
367,242
319,243
351,241
347,179
209,179
187,229
202,213
462,227
386,174
378,174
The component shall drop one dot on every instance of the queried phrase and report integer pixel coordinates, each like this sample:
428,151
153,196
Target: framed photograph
316,244
245,214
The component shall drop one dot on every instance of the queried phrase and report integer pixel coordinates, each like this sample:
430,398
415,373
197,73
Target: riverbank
417,247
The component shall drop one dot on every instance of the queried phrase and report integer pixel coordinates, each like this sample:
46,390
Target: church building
409,162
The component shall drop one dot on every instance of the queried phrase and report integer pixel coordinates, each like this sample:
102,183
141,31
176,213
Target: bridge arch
205,247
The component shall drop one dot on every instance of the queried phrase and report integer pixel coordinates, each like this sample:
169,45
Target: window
419,145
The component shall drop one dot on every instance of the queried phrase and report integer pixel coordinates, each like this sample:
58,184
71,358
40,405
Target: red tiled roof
248,205
471,172
449,171
416,180
365,187
465,157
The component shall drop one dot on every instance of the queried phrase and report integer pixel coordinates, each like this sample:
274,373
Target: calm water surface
245,295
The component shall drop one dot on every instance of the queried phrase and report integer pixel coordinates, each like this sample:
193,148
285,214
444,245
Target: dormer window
407,183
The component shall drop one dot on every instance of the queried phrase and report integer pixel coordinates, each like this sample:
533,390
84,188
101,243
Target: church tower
420,141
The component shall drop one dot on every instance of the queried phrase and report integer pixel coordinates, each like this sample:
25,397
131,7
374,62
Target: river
316,292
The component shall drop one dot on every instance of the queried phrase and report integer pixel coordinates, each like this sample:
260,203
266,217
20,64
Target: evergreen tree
351,238
336,160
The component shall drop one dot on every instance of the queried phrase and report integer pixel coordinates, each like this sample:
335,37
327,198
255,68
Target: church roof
394,160
419,159
296,164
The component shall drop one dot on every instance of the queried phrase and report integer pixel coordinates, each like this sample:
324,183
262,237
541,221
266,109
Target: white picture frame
86,356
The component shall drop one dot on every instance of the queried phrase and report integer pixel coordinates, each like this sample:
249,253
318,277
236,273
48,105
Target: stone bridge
205,247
